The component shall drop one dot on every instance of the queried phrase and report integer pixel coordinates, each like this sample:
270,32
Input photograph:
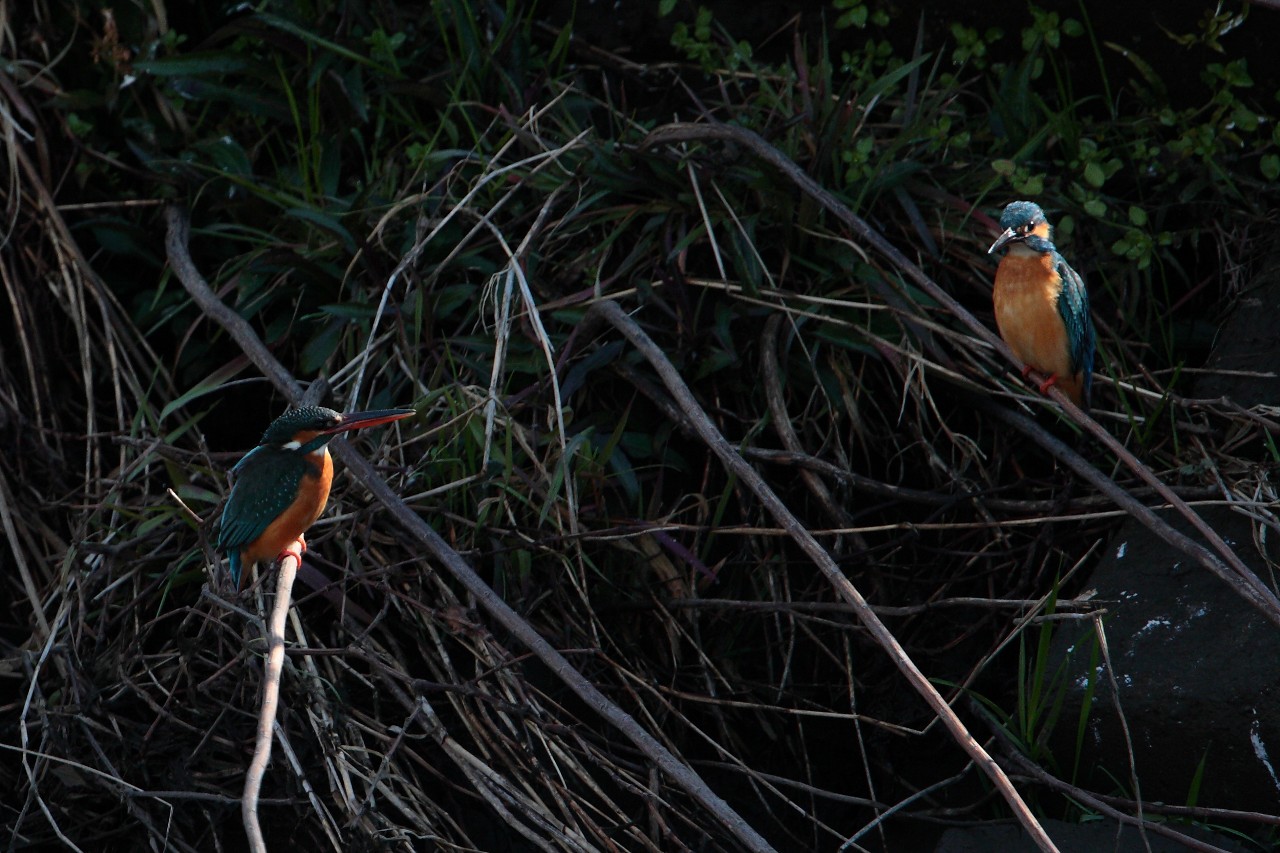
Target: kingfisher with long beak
282,485
1042,307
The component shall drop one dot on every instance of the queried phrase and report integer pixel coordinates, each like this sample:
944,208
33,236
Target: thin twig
1109,665
938,498
771,377
1079,607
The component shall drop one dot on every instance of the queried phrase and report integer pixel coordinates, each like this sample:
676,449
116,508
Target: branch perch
271,674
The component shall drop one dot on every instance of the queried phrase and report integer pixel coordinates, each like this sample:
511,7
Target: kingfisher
1042,307
282,485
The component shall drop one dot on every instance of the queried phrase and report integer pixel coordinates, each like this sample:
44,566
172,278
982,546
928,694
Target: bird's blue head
293,424
1024,222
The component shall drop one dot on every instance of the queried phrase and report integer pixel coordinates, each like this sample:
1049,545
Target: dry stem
288,570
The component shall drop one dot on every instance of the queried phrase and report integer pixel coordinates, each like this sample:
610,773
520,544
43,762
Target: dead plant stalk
288,570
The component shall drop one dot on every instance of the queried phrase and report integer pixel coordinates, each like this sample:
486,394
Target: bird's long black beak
1009,234
360,420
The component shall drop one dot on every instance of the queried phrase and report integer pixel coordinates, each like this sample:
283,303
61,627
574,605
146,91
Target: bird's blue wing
266,484
1073,305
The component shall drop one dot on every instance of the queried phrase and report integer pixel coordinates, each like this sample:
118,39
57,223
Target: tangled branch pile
422,209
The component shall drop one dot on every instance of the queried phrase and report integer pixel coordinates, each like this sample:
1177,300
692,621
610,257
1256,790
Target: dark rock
1198,668
1197,671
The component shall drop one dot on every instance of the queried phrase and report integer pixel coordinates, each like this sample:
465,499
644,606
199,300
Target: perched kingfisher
1042,307
282,485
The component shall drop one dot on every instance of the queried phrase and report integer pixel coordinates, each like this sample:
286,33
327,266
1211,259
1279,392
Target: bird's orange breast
313,494
1026,307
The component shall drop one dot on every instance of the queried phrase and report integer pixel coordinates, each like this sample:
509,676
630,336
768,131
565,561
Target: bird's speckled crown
1021,213
284,428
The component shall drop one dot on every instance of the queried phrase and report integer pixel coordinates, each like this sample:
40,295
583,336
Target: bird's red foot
295,549
1026,370
1048,383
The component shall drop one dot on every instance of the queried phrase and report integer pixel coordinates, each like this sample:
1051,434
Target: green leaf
1197,779
1094,175
327,222
285,25
196,494
321,348
855,17
196,89
1270,166
1030,185
350,310
1237,74
884,83
79,126
1245,118
192,64
213,382
227,156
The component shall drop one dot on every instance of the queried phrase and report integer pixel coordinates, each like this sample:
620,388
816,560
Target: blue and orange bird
1042,307
282,485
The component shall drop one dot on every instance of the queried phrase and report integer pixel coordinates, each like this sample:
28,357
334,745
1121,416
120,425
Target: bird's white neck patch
297,445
